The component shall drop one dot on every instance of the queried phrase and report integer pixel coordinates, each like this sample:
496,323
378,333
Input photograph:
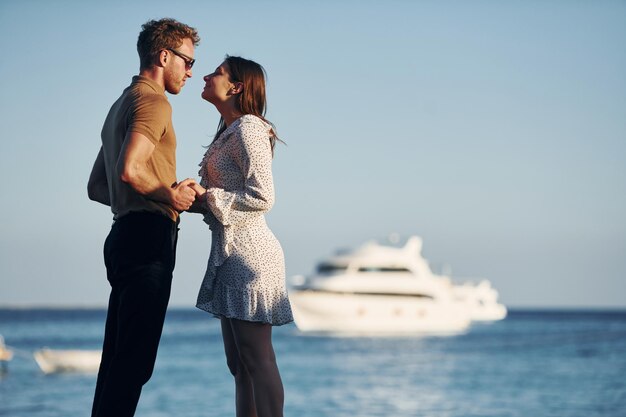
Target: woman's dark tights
251,359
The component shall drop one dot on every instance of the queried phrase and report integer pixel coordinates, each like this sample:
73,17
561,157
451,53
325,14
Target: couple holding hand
244,285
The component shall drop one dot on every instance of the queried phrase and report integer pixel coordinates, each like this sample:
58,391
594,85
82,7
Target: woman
244,284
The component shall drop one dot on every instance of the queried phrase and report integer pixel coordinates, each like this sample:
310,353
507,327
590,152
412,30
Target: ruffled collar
221,140
247,118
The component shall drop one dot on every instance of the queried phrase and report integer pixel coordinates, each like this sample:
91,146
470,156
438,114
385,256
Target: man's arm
98,187
133,170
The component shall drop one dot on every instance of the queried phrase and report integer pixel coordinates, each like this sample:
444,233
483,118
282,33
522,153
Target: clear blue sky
494,130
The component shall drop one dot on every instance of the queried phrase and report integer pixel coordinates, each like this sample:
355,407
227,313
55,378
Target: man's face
178,69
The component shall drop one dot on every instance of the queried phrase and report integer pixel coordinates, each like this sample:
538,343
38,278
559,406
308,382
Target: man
135,174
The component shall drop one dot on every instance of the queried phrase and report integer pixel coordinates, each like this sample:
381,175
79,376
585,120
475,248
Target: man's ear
164,55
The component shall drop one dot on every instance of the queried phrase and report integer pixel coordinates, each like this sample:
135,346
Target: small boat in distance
53,361
6,355
379,289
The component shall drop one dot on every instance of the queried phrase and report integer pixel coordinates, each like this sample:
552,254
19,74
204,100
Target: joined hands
186,196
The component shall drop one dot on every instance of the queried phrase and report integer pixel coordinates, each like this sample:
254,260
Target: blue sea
532,364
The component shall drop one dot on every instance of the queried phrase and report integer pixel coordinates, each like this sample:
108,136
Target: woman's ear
237,88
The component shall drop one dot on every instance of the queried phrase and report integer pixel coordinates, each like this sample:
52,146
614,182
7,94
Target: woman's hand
199,205
197,188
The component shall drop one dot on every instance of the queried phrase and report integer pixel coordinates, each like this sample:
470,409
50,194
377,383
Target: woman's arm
253,156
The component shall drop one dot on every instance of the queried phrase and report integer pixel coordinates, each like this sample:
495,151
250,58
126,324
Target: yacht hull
330,312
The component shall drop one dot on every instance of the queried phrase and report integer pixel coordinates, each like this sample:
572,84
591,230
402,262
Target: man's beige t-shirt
142,108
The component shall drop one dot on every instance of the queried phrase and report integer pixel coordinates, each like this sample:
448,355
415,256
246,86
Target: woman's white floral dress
245,277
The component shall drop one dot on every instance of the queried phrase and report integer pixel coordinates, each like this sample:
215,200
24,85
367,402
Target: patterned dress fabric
245,277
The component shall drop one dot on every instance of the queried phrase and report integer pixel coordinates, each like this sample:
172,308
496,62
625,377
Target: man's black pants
139,255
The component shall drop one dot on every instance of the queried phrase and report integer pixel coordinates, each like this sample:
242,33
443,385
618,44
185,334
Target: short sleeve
151,117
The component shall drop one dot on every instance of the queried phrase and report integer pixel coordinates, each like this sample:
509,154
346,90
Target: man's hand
182,195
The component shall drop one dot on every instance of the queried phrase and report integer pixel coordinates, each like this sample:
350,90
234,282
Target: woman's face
218,87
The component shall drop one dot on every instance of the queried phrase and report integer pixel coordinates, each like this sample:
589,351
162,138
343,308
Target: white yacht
378,289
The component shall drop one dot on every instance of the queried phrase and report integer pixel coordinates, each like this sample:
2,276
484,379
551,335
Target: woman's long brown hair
252,99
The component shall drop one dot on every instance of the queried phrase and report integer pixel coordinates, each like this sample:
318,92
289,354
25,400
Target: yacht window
330,269
382,269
